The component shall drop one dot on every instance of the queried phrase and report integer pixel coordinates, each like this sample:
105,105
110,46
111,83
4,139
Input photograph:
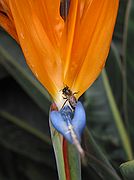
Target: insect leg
75,92
64,102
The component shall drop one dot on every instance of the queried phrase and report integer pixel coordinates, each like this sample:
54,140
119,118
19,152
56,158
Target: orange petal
8,26
6,19
91,43
35,39
70,38
48,13
6,8
68,34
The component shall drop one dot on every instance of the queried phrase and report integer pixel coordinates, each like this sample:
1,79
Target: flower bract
70,51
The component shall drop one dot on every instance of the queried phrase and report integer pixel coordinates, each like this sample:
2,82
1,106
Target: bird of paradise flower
66,53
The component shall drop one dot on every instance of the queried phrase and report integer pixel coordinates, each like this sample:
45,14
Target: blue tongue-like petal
61,120
79,120
60,125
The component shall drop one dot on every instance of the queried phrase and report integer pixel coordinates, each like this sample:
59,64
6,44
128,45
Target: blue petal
60,124
79,119
66,112
62,120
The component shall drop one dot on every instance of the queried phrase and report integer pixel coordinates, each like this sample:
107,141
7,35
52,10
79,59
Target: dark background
26,152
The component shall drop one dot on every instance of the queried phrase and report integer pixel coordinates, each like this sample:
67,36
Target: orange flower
71,52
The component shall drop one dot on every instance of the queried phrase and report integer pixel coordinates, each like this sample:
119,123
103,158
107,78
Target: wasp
69,96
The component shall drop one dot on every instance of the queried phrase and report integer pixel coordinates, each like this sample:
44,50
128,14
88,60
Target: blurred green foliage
26,152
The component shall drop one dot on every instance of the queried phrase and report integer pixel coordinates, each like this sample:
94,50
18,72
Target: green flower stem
66,155
117,117
58,151
74,162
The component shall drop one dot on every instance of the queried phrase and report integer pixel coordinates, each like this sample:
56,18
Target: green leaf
100,120
127,170
36,171
3,72
18,136
97,160
23,126
130,71
119,28
117,118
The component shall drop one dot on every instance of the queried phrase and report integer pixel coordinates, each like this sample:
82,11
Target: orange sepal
93,33
71,52
38,41
6,20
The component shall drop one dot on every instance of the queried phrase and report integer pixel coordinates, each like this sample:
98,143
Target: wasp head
66,91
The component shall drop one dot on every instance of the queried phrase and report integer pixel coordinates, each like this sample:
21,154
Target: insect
69,96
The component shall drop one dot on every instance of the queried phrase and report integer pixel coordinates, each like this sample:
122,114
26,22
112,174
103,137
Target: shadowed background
26,152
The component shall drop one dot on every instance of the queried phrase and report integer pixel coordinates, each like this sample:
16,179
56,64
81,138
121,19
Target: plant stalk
117,117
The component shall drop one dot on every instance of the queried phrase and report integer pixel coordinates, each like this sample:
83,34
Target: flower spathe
64,116
70,123
71,52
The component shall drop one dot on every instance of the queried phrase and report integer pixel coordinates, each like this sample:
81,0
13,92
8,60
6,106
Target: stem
117,56
124,62
117,117
57,141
